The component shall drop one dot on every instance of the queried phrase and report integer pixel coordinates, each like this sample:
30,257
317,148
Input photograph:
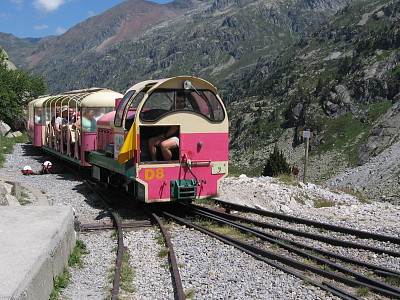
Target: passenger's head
88,113
64,111
180,99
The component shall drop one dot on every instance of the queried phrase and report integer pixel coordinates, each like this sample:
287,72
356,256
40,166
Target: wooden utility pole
307,135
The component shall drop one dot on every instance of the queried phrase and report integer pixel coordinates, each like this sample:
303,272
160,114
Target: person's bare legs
166,147
153,143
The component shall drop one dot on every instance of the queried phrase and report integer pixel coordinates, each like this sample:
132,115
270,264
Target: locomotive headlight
187,85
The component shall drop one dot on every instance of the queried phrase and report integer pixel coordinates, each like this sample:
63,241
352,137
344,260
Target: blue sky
39,18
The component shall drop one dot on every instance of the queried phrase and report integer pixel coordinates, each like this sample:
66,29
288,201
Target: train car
74,135
183,110
164,140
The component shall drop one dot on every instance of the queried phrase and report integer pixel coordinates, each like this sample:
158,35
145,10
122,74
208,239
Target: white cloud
41,27
47,5
91,13
60,30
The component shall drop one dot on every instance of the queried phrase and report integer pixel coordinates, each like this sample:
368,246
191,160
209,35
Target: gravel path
209,269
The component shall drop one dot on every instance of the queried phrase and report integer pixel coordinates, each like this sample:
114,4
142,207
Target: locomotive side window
120,110
127,107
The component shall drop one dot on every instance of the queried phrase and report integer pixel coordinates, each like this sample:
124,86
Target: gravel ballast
209,269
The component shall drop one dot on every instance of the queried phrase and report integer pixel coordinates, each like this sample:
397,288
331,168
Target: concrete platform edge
39,281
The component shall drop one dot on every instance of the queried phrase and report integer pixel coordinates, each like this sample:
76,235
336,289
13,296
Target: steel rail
360,233
389,273
313,236
260,234
180,294
120,242
120,252
258,256
105,226
293,263
383,271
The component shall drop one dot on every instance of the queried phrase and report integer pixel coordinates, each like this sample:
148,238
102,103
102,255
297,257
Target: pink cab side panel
200,148
159,180
205,146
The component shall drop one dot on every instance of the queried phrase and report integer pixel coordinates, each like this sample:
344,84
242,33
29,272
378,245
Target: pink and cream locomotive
164,140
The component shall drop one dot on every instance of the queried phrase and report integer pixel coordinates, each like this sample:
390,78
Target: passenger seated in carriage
88,122
170,139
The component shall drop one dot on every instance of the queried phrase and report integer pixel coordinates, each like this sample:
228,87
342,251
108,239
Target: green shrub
276,164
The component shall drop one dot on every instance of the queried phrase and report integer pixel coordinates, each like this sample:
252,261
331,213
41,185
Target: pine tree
276,164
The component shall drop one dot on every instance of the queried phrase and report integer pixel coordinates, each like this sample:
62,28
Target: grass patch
323,203
60,282
394,281
253,171
190,294
7,145
362,291
24,199
287,179
226,230
300,200
126,273
349,191
322,230
206,201
159,237
76,258
163,252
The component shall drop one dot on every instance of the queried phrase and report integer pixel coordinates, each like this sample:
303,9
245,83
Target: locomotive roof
174,83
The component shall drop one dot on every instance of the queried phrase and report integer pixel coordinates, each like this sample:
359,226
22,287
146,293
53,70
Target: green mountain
282,66
342,82
139,39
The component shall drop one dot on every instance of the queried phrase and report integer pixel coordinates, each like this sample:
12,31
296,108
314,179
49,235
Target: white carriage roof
39,101
93,97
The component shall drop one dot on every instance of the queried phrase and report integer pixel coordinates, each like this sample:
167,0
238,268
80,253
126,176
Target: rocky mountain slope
207,38
331,66
345,91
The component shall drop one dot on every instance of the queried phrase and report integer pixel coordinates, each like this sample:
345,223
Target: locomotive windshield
164,101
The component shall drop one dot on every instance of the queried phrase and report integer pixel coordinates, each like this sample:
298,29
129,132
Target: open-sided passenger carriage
72,142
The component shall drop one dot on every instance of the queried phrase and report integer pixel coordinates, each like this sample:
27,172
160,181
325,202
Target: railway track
337,274
118,224
100,219
332,277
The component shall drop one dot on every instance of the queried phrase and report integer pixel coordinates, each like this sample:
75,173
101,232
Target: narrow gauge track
343,275
119,225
